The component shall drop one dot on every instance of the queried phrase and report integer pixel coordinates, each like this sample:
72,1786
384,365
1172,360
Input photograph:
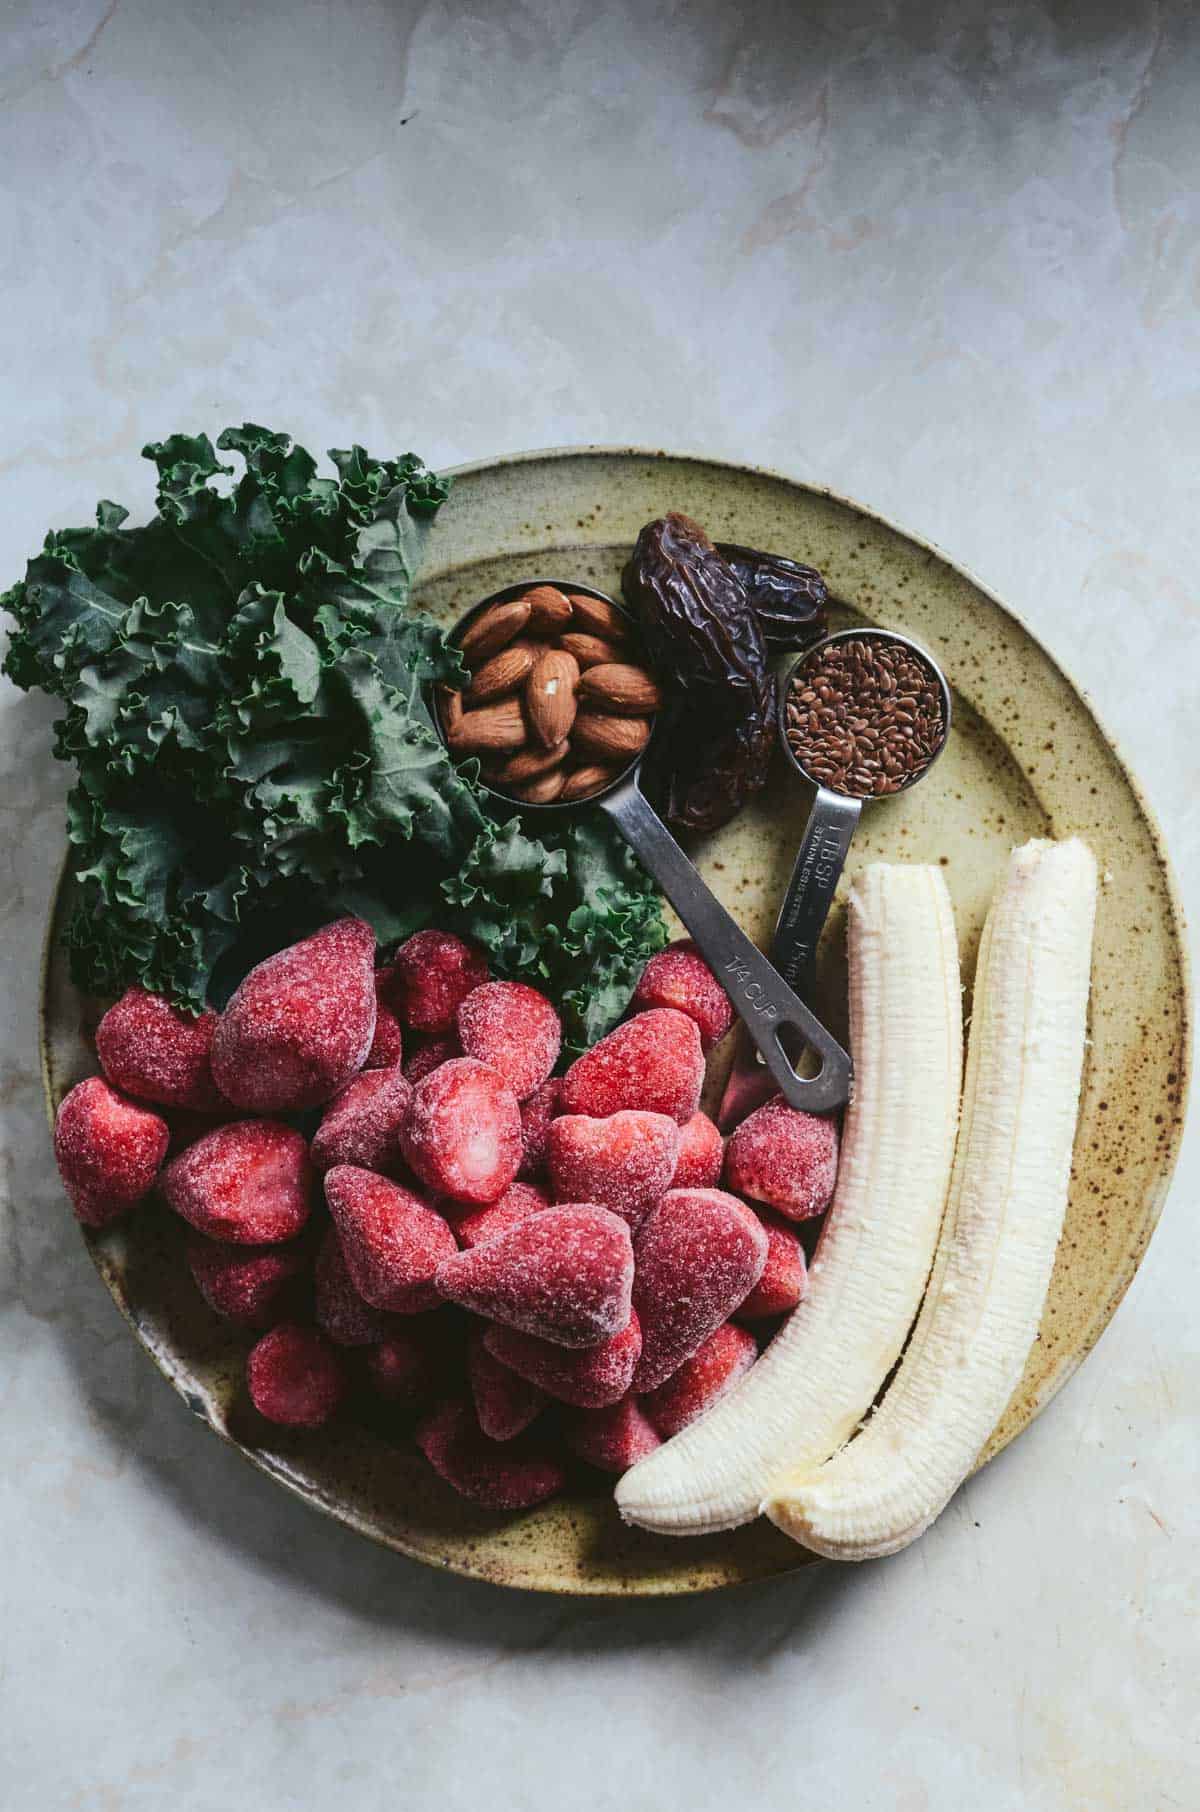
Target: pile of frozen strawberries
532,1265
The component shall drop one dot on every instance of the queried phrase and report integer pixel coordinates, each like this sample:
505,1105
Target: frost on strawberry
499,1475
295,1377
340,1312
248,1285
701,1155
462,1137
108,1151
590,1378
699,1254
387,1046
392,1241
713,1369
785,1274
624,1162
537,1111
785,1158
149,1049
301,1023
565,1274
612,1439
513,1028
428,1054
504,1403
428,979
479,1224
363,1123
679,977
249,1183
653,1062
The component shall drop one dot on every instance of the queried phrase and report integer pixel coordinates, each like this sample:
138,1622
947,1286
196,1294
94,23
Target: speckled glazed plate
1027,758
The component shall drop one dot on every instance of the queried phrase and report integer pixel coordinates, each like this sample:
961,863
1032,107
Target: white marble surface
952,268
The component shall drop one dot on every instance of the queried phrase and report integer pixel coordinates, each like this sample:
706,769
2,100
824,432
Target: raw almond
490,730
589,650
531,764
493,629
550,610
550,696
585,781
616,739
544,790
503,673
598,617
615,686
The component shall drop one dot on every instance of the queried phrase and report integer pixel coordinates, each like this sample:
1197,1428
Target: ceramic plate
1027,758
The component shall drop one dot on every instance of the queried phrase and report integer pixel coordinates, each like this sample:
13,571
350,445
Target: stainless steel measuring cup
764,1002
832,822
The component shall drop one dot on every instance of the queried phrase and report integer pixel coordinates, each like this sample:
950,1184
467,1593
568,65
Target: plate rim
1154,1199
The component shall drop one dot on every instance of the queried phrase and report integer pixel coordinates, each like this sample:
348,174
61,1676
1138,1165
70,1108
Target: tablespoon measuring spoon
832,822
765,1003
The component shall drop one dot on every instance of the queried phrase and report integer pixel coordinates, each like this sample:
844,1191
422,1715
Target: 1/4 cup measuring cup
824,846
765,1003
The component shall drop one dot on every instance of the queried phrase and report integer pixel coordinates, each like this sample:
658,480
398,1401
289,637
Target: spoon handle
818,867
763,1000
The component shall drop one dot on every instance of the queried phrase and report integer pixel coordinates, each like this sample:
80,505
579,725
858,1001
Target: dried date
788,598
718,731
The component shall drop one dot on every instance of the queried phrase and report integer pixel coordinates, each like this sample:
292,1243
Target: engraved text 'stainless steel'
819,862
765,1002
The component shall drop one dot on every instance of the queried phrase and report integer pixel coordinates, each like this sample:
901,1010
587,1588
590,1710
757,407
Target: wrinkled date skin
717,736
787,597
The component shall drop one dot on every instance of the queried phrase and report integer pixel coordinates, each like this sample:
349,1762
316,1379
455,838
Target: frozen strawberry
701,1155
392,1241
614,1439
624,1162
249,1183
536,1114
462,1137
679,977
428,1054
518,1200
500,1475
702,1380
430,977
295,1377
590,1378
341,1313
785,1158
108,1150
504,1403
362,1124
785,1274
301,1024
515,1029
653,1062
387,1046
408,1366
699,1254
246,1284
148,1048
564,1274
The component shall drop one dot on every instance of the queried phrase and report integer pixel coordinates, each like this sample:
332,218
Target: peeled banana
818,1378
1003,1220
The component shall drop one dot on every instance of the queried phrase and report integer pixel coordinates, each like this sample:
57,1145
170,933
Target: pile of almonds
555,707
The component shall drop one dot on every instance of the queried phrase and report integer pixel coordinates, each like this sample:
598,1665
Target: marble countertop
952,269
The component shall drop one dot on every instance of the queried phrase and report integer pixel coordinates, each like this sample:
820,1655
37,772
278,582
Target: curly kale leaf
244,683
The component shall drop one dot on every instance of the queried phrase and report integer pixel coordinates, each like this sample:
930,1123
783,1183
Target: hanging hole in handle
807,1062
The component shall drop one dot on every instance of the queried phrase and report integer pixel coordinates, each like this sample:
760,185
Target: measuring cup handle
819,862
764,1002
